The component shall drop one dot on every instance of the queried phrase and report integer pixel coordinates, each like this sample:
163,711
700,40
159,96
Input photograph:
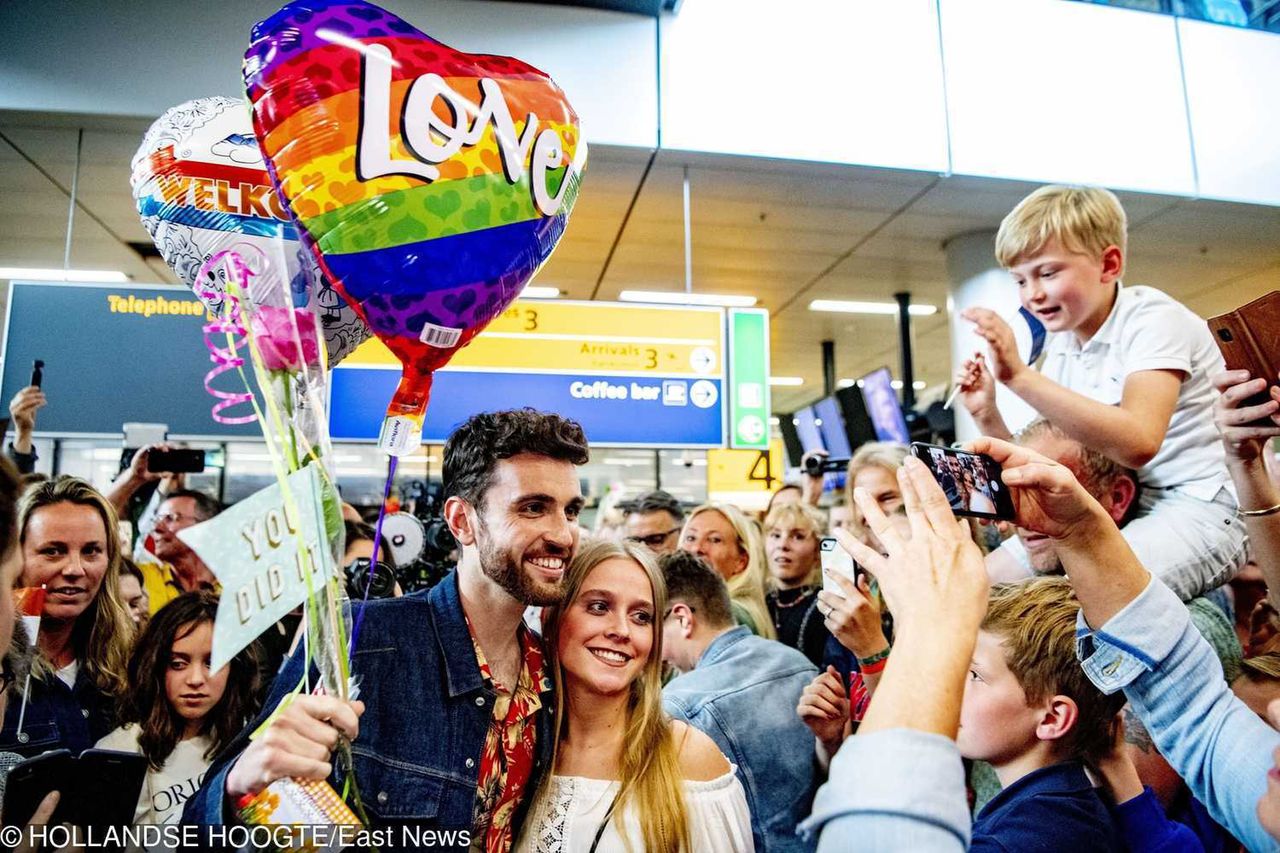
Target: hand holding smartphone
177,461
971,481
836,560
1248,338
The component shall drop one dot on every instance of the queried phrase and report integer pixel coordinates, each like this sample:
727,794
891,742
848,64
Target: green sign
749,379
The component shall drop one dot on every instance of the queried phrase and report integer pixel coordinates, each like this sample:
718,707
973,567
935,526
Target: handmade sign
200,186
430,184
254,550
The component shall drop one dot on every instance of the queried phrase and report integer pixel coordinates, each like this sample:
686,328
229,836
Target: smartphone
971,481
110,784
836,560
29,783
1247,338
180,461
37,373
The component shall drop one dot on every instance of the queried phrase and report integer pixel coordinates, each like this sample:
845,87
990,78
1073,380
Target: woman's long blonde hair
104,632
649,767
747,587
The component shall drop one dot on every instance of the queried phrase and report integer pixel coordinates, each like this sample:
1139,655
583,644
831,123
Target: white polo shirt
1149,330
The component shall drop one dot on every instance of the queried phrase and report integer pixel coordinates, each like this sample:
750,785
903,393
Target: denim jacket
1174,682
57,716
743,693
427,711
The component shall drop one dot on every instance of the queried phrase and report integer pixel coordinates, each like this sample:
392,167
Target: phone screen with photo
971,481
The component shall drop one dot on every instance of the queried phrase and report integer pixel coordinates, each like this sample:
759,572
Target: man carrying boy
1126,373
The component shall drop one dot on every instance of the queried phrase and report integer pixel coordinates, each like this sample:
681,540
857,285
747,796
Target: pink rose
281,348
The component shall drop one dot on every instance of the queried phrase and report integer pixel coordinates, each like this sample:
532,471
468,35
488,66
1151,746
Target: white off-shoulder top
567,819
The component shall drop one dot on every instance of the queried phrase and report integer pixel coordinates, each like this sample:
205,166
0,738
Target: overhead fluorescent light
774,421
536,292
669,297
919,384
39,274
845,307
786,380
625,461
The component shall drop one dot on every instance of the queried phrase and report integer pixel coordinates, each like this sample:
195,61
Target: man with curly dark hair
457,728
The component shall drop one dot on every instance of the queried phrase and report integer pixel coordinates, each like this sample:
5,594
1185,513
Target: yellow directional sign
745,477
586,337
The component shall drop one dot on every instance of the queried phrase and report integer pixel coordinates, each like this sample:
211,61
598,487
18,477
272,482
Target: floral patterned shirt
507,761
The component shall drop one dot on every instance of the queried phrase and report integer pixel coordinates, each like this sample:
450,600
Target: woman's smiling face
607,631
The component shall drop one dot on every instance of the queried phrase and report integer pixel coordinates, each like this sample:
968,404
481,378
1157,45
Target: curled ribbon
230,328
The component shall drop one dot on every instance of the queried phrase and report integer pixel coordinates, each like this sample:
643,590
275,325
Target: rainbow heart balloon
430,184
200,187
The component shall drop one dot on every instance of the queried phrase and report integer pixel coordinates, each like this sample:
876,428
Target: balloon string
377,544
230,327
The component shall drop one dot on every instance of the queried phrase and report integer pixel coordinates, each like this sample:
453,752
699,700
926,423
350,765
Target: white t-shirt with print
165,791
1150,330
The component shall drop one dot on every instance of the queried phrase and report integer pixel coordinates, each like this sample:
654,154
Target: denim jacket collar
723,643
454,640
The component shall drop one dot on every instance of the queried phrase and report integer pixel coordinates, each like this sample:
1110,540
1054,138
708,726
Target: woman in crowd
178,713
723,536
70,546
791,542
625,776
874,467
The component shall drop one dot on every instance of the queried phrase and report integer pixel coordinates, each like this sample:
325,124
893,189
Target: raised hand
824,707
1243,440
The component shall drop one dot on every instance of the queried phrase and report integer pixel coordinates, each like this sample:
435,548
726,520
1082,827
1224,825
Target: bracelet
1257,513
873,668
878,657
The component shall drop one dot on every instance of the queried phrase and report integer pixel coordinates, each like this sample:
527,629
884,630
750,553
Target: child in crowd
1030,711
1126,372
178,713
134,592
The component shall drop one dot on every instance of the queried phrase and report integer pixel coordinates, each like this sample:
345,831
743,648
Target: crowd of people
1103,673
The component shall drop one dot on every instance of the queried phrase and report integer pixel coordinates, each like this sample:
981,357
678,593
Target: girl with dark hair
179,714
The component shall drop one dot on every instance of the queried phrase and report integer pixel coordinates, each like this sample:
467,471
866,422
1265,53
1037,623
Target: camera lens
370,580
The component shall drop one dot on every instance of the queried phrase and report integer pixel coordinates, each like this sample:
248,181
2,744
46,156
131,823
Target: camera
429,555
816,465
369,579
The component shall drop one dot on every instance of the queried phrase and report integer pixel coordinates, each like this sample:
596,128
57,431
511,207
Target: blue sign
112,354
618,411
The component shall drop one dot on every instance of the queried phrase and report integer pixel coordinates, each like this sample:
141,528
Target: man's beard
509,574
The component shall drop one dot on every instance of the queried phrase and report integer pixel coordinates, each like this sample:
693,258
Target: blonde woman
625,776
730,542
874,467
68,535
792,536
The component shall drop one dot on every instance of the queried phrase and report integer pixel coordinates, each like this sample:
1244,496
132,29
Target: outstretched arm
936,585
1246,445
1137,636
